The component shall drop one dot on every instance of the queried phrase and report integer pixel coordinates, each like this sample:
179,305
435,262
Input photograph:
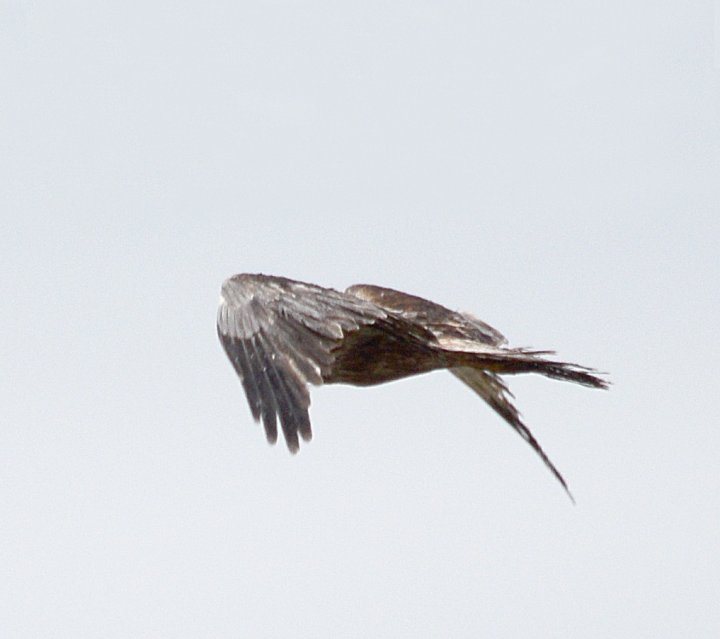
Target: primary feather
281,335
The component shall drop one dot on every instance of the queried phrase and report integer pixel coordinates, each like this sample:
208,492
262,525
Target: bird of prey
282,335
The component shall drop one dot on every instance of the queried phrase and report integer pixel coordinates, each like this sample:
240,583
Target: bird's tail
520,360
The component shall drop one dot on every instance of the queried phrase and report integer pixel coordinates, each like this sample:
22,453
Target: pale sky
551,167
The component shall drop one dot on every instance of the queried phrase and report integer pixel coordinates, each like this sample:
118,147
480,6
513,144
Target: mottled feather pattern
442,322
281,335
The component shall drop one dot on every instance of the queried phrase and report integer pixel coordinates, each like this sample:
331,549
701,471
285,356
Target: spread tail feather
519,360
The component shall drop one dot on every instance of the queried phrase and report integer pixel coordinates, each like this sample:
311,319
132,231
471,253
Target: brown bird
281,335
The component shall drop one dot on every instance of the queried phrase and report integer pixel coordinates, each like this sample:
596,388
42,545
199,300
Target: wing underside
279,336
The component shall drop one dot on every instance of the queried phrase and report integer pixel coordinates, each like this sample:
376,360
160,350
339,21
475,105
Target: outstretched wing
279,335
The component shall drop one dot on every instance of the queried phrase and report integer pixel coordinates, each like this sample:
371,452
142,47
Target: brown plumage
281,335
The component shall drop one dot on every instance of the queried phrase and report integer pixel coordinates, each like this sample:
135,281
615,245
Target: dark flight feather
281,335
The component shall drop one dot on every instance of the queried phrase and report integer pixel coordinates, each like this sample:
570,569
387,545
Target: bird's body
281,335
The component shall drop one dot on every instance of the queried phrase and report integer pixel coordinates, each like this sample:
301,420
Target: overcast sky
552,167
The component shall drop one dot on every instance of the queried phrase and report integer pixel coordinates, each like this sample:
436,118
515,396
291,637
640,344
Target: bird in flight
281,335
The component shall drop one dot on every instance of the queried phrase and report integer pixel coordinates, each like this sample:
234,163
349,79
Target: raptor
282,335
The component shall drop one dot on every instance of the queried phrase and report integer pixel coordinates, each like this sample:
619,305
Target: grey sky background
552,167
